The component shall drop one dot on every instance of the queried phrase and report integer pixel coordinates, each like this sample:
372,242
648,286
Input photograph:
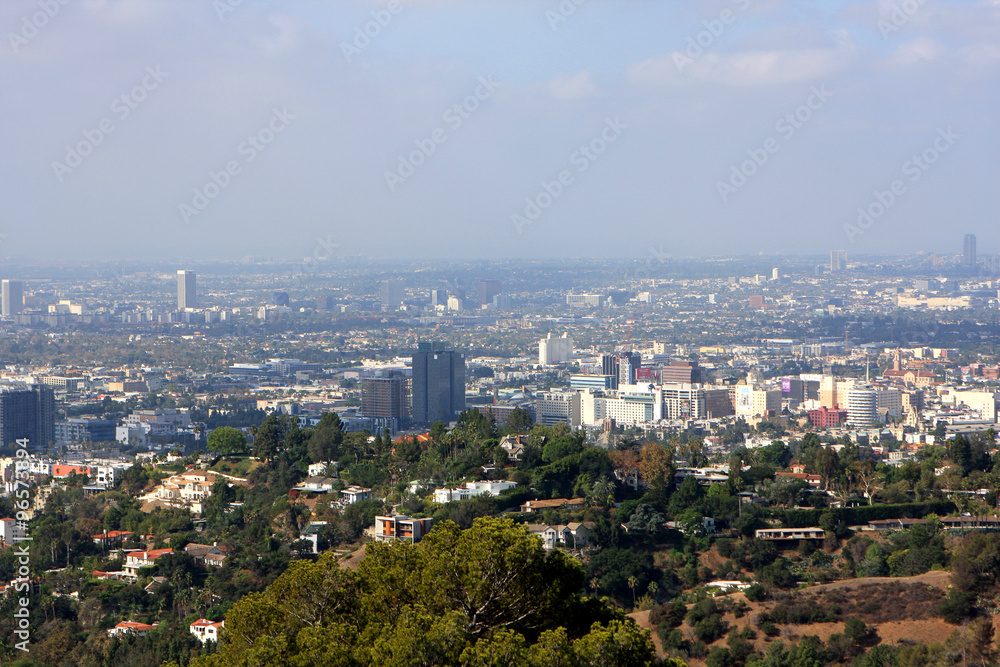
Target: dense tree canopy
488,595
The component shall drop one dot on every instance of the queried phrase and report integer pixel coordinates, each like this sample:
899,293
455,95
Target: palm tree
653,588
632,583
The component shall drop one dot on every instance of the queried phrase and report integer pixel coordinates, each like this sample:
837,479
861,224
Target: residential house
536,506
311,534
401,527
319,468
317,484
471,490
514,446
111,539
775,534
138,559
206,554
572,535
354,494
154,585
814,481
206,630
188,489
131,627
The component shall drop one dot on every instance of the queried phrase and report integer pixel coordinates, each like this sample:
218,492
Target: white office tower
555,350
552,407
13,297
187,292
861,407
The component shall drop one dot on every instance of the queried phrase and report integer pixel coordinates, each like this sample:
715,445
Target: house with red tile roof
206,630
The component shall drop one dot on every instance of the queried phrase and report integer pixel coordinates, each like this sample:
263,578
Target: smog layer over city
500,332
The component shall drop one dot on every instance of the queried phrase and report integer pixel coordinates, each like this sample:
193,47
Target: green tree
227,441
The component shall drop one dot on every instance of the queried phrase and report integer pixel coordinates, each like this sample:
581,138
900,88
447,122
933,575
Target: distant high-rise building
187,290
503,302
969,250
391,293
622,366
439,297
487,290
281,299
609,367
438,383
838,261
27,413
861,407
686,372
555,350
775,274
628,364
13,297
384,397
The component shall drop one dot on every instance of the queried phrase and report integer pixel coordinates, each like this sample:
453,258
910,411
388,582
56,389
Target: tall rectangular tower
487,290
28,413
838,261
391,294
384,397
13,297
187,292
969,250
438,383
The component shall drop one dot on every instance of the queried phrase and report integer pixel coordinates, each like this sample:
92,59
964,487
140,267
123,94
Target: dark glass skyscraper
438,383
27,413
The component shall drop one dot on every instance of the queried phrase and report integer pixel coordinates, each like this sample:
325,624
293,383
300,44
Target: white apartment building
555,350
983,402
552,407
624,406
584,300
10,531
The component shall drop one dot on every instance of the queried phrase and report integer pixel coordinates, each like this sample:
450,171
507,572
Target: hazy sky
115,112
